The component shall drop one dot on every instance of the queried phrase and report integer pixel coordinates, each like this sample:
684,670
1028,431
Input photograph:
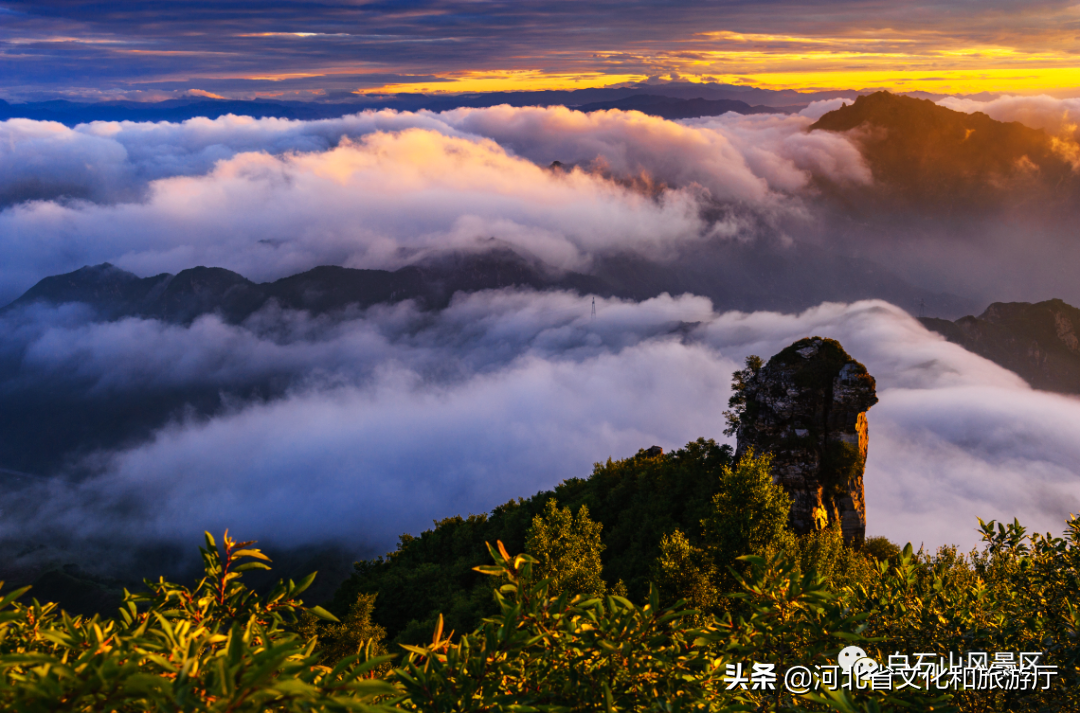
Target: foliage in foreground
214,647
220,647
548,645
585,653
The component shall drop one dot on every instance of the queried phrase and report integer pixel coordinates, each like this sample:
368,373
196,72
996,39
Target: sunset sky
335,48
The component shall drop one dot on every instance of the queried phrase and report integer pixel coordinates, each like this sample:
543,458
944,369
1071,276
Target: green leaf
304,583
322,614
12,596
248,566
250,553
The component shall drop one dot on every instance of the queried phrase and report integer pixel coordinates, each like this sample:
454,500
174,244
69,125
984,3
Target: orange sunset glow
798,63
441,47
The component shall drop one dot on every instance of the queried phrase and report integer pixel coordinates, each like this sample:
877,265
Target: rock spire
807,406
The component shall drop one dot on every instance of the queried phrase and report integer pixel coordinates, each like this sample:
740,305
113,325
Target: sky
333,49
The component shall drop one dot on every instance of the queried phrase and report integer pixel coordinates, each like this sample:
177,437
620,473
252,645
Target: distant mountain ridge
44,431
183,297
71,113
684,99
1040,341
732,275
672,108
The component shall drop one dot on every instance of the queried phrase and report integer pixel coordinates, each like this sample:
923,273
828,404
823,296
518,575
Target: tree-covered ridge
945,161
636,501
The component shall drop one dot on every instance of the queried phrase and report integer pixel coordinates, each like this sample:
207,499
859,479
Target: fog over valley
457,363
405,417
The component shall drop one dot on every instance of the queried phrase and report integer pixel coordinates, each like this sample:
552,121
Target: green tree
686,572
826,554
738,402
880,548
354,634
749,513
567,548
637,500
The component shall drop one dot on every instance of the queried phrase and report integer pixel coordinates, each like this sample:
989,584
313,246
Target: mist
380,189
354,427
1058,117
393,418
271,197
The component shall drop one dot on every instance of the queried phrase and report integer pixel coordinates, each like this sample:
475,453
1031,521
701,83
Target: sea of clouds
271,197
396,417
392,417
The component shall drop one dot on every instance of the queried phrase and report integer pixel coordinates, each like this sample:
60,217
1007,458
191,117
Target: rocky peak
1038,341
942,160
807,407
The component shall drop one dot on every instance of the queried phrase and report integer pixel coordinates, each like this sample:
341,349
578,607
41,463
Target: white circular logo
849,656
854,660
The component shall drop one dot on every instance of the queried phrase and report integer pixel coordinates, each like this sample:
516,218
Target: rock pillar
807,406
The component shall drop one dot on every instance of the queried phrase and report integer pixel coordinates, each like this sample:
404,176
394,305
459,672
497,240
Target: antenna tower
593,308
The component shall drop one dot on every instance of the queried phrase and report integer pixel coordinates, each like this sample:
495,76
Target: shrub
215,647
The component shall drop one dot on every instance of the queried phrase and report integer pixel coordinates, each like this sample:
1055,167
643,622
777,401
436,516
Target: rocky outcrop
1037,341
807,407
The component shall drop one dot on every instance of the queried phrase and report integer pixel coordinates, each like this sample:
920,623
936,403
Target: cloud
781,150
374,422
1059,117
271,197
712,152
42,160
359,204
629,143
414,418
816,110
110,162
241,49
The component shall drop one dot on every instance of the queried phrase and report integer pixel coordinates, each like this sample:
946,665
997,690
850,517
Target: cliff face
807,406
1037,341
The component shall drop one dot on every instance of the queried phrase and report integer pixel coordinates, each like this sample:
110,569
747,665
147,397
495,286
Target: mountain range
922,156
41,431
674,108
181,298
1040,342
733,275
674,100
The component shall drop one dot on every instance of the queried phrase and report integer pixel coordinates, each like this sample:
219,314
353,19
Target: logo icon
854,661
